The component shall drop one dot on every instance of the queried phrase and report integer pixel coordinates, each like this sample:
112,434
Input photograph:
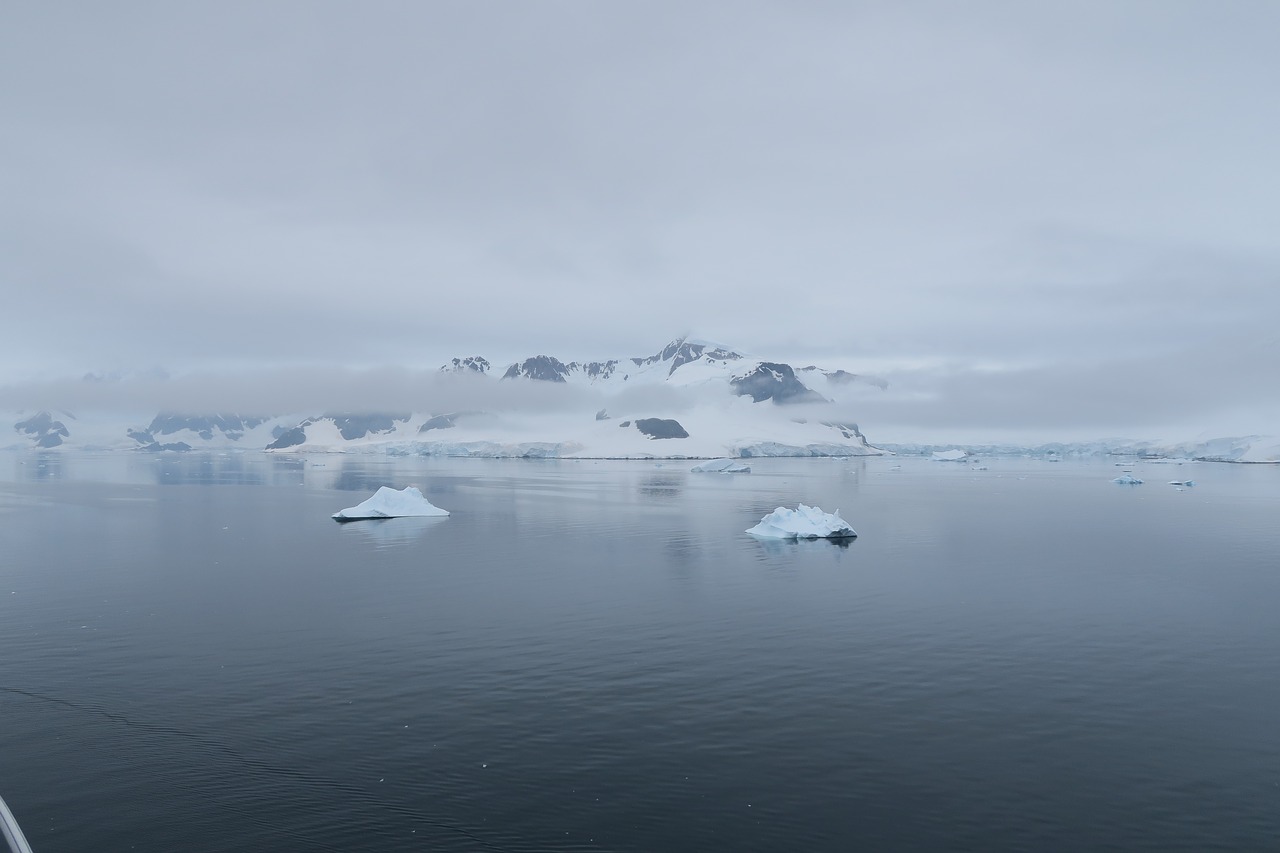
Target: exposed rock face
844,377
543,368
773,381
848,430
595,369
231,425
681,352
350,426
43,429
661,428
439,422
470,364
289,438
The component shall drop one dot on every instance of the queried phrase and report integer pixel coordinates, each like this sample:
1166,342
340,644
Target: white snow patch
390,503
805,522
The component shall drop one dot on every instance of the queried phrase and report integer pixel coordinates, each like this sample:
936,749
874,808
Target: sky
1051,219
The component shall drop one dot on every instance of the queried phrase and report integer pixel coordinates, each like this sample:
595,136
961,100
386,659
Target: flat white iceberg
806,522
723,466
390,503
949,455
1127,480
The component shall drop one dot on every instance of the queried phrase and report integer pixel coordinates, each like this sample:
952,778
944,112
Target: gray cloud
1051,190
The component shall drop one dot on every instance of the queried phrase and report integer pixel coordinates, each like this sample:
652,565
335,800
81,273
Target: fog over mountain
1052,219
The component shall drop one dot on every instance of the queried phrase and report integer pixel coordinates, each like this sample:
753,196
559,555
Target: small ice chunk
1127,480
1182,482
390,503
722,466
806,522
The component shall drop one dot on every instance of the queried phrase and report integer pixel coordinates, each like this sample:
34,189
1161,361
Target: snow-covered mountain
691,398
714,401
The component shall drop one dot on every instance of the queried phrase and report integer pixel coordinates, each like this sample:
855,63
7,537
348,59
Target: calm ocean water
594,656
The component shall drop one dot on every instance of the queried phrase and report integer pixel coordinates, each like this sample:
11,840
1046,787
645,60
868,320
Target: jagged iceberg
721,466
390,503
805,522
1127,480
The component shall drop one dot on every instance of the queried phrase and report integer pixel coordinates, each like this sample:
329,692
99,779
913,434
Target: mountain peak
683,350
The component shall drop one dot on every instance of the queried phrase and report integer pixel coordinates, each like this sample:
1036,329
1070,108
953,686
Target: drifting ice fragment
389,503
806,522
1182,482
723,466
1127,480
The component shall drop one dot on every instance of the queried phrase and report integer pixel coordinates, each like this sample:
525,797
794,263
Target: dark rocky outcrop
43,430
848,430
844,377
661,428
543,368
231,425
470,364
289,438
439,422
352,426
680,352
774,381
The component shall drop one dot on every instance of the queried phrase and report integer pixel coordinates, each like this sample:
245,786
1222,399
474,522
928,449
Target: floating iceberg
949,455
1127,480
723,466
1182,482
806,522
389,503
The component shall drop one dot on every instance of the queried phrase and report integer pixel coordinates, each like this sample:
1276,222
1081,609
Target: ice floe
1182,482
949,455
1127,480
805,522
390,503
721,466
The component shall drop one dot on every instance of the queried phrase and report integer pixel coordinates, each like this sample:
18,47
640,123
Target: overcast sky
1050,217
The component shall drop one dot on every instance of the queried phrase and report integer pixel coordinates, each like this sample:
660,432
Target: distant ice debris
390,503
948,455
1182,482
1127,480
721,466
805,522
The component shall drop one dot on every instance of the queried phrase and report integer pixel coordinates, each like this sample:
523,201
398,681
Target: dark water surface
594,656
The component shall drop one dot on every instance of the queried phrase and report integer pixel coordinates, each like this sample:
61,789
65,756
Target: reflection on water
662,486
391,532
209,470
359,478
791,547
44,466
